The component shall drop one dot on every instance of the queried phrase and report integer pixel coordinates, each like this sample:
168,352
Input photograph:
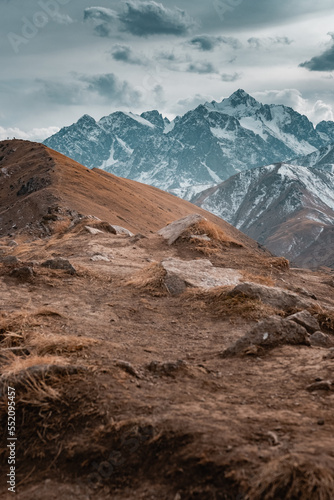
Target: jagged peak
86,119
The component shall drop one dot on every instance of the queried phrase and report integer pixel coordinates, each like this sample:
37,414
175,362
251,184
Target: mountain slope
284,207
321,159
36,181
200,149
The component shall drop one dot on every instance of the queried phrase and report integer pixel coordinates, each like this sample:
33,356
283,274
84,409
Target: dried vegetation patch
221,304
150,279
292,476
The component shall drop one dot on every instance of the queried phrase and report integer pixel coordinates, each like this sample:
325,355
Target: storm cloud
324,62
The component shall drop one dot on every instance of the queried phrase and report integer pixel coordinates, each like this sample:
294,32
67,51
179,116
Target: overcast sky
64,58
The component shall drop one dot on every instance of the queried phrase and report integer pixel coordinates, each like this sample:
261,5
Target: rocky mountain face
288,208
198,150
322,159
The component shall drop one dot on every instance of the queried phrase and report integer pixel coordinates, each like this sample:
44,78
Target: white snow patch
255,126
221,133
140,120
125,146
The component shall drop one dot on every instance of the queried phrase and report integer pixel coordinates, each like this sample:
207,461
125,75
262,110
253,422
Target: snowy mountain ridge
195,151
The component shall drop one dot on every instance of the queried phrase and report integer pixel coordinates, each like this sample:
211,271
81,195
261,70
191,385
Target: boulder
306,319
59,263
273,296
320,339
198,273
272,332
174,230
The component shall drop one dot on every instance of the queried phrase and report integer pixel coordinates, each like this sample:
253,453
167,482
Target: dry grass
60,227
57,344
258,278
221,304
150,279
17,365
219,240
13,329
325,318
279,263
214,232
292,477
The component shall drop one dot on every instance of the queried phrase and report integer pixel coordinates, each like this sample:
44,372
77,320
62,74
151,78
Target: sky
61,59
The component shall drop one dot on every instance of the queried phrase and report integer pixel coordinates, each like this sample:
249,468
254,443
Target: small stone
93,230
13,243
324,385
121,230
100,258
127,367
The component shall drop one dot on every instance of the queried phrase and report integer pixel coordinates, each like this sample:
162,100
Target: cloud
125,54
189,103
324,62
230,78
210,42
201,68
103,20
316,111
113,90
266,43
151,18
36,134
140,18
62,18
60,93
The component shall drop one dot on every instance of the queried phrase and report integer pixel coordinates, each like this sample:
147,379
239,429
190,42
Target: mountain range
198,150
214,156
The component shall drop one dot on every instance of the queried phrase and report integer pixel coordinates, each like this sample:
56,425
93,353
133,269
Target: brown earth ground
121,390
206,429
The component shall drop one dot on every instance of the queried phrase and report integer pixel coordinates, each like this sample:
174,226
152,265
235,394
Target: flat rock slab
270,333
199,274
273,296
174,230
